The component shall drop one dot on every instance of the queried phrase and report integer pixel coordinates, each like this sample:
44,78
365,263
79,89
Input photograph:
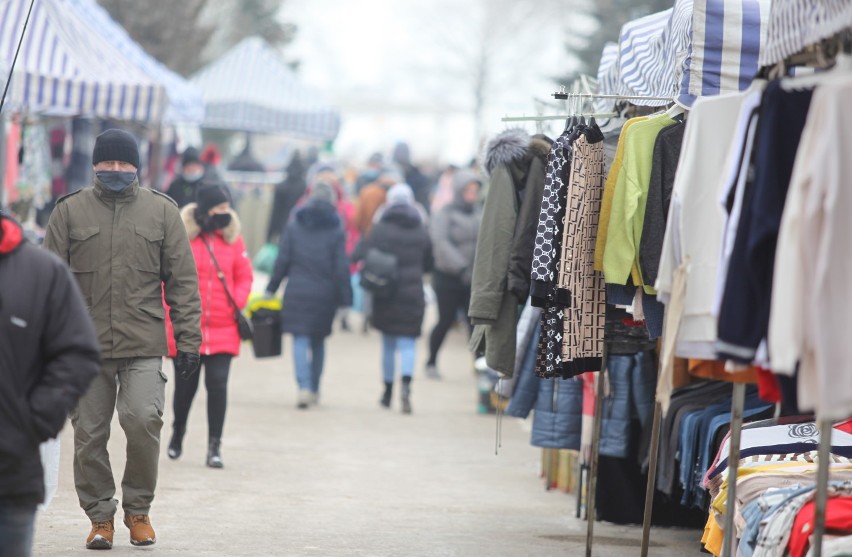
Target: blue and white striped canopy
727,36
795,24
697,48
185,103
66,68
250,88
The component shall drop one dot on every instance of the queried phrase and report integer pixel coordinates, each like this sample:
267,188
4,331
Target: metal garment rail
563,95
562,117
823,462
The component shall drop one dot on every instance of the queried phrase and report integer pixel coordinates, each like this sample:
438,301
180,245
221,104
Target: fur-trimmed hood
540,146
512,145
509,145
230,233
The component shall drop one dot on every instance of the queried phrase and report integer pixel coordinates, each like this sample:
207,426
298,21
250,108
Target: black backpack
380,273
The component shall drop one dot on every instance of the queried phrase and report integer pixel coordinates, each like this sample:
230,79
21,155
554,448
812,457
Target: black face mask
216,222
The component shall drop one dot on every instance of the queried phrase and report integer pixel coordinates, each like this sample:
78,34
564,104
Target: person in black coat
401,231
183,188
312,256
287,196
49,353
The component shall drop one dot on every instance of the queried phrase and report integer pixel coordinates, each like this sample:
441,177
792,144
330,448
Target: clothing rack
563,95
558,117
598,423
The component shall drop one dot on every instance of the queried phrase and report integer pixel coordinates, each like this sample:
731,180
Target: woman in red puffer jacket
211,222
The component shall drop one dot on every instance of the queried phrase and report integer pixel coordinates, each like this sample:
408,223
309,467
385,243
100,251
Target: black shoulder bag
243,324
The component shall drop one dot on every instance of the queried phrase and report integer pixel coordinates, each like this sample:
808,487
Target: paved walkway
350,478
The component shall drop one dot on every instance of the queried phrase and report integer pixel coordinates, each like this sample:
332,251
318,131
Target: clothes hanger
842,68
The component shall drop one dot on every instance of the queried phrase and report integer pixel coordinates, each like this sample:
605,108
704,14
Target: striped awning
650,56
185,103
66,68
795,24
697,48
727,36
250,88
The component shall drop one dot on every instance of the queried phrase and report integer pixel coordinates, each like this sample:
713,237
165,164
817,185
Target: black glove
187,364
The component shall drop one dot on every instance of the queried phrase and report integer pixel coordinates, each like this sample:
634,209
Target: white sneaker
314,399
305,397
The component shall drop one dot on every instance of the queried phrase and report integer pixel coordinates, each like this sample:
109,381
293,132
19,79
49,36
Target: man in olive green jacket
126,246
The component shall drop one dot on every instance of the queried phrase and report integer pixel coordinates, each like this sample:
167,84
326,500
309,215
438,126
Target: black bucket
267,333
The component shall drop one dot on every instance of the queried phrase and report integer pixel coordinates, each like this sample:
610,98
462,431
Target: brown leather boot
141,532
101,535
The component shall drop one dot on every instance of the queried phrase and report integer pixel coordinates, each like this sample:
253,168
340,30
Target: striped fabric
184,99
650,58
66,68
726,41
251,88
795,24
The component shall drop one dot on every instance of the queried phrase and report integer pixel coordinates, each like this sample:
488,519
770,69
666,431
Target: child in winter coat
213,230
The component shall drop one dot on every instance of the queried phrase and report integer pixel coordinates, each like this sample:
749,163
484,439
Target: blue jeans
17,523
390,345
309,358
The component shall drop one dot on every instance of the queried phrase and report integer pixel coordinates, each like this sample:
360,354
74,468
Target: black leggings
216,368
453,297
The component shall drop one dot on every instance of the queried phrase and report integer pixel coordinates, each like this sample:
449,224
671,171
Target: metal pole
593,473
823,463
652,478
557,117
737,408
565,95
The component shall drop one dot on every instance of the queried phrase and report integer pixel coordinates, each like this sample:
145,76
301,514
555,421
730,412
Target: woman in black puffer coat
312,256
400,231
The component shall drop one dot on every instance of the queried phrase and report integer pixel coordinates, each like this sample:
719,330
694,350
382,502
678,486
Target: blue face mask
115,181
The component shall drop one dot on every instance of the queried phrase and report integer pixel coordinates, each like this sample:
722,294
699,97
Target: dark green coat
125,251
514,162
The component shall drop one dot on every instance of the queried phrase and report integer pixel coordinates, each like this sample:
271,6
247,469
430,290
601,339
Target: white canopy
250,88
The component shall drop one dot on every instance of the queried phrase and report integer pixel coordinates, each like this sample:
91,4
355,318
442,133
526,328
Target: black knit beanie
190,155
116,145
209,196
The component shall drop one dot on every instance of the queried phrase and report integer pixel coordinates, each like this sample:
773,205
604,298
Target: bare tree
608,17
181,35
483,43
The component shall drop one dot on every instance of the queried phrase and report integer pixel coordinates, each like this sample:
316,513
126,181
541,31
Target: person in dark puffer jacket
400,231
49,354
312,256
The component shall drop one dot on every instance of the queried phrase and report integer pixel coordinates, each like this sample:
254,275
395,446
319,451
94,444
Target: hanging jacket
512,163
632,386
454,230
125,249
219,334
558,405
312,256
49,354
401,232
523,245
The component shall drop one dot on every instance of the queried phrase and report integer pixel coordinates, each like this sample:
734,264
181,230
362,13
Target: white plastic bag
50,462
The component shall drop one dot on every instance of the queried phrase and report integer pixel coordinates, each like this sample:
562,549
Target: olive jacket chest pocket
84,248
148,244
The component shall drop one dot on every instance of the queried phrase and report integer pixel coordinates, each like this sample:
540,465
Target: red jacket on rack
218,324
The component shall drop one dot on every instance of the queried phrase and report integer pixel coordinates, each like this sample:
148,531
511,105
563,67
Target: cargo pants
136,388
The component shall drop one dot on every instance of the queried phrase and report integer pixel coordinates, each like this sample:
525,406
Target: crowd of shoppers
129,276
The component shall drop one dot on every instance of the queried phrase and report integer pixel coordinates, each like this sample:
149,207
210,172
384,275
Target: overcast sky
397,69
